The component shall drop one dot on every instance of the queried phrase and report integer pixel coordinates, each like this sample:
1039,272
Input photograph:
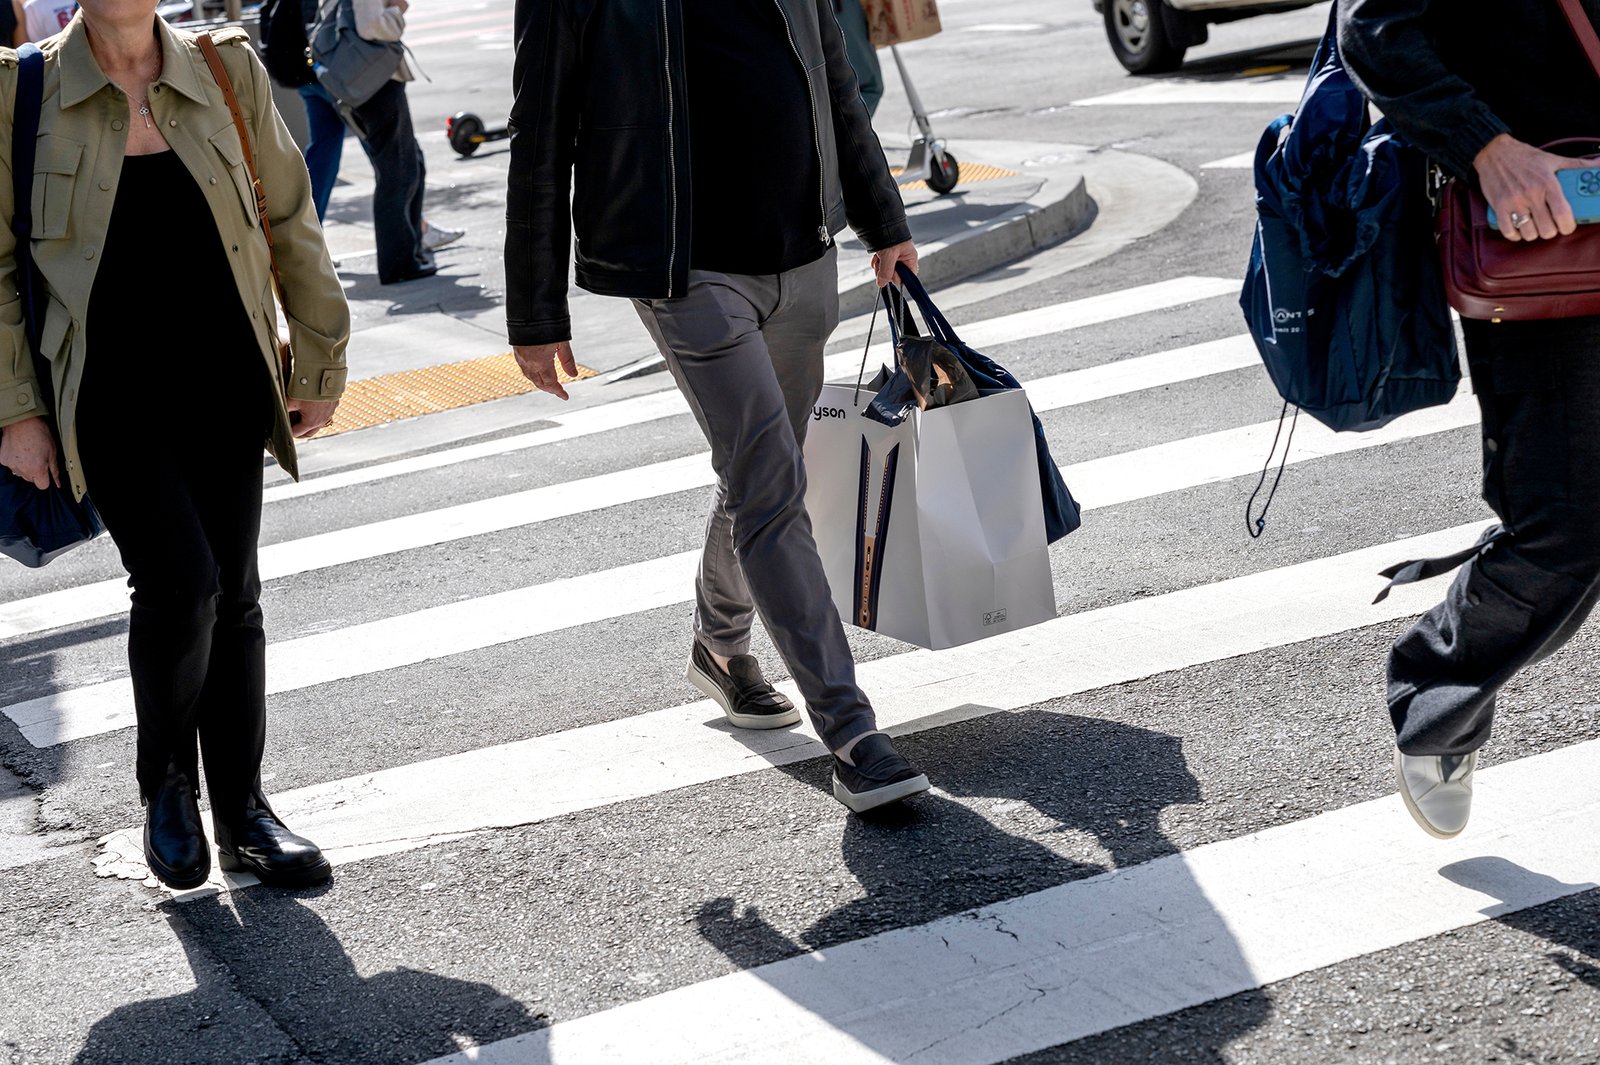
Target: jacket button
105,186
172,122
236,247
117,124
304,381
213,181
88,253
1491,446
22,398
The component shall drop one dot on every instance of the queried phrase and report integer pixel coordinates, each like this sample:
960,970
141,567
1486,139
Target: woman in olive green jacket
160,329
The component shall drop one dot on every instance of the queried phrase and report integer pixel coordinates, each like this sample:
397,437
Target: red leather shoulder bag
1489,277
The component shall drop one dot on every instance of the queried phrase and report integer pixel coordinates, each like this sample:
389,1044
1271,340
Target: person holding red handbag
1480,85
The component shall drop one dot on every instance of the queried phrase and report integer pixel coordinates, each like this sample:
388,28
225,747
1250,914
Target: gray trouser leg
797,312
747,354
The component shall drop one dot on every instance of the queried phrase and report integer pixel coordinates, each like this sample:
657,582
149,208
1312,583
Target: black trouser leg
185,513
1526,595
390,142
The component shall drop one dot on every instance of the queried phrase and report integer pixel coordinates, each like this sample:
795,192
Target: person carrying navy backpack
1477,84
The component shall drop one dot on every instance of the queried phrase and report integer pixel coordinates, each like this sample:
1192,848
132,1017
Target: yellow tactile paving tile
378,400
970,172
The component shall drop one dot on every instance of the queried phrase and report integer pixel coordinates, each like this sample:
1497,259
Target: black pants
390,142
1530,589
184,509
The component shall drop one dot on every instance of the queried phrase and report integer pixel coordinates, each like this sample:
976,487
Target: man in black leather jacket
717,147
1479,85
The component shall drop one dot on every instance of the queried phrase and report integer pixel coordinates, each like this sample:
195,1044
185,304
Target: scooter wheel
946,173
466,133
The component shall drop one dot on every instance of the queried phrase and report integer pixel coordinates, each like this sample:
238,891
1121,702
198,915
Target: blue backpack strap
24,137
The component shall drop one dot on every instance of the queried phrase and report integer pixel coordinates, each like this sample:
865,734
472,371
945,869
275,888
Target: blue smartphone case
1582,187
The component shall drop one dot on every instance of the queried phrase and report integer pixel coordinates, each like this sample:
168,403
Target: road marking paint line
1273,90
1242,161
528,781
390,643
1200,460
1126,946
1092,310
407,639
88,602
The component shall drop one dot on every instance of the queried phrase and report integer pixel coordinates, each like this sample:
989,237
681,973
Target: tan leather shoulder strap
1583,29
208,48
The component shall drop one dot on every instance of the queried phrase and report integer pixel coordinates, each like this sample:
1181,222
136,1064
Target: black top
8,24
167,284
1454,74
752,143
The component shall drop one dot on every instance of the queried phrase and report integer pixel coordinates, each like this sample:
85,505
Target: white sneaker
1437,790
436,237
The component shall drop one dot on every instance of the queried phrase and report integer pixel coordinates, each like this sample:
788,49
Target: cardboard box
899,21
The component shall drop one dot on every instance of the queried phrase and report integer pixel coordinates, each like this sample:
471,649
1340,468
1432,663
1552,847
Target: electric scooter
467,132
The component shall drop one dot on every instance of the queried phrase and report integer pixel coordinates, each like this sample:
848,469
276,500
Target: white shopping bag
931,531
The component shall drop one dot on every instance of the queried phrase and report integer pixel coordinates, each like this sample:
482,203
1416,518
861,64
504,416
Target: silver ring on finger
1518,219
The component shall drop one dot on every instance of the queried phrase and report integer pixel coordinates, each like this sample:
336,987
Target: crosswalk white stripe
1192,91
1242,161
1075,314
369,648
407,639
532,780
1123,947
87,602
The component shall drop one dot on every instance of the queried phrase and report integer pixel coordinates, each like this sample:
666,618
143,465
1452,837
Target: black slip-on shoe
175,846
881,775
257,842
742,692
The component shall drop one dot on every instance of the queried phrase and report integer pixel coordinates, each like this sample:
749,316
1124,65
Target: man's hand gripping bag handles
36,525
219,73
1489,277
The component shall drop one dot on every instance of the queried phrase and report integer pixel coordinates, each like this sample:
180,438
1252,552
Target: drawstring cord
1255,526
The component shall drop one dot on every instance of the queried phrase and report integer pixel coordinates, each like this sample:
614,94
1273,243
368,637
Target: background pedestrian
1478,85
180,496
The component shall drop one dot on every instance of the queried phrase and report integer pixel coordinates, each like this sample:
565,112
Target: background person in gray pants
717,147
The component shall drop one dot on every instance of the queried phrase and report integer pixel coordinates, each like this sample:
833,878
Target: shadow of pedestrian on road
1502,879
934,858
275,984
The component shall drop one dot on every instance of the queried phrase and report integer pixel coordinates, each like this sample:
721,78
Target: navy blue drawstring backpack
1344,295
36,524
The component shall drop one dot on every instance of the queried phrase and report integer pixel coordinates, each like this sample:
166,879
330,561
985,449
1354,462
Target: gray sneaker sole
871,800
1414,810
756,722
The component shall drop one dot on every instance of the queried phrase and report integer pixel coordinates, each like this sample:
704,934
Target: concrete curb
1063,208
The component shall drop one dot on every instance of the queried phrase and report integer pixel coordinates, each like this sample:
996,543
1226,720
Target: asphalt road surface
1163,826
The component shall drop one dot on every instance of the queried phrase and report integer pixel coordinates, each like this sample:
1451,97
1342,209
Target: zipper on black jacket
672,147
816,127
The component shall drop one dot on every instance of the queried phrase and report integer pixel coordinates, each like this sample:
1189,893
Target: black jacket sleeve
544,127
1390,54
871,198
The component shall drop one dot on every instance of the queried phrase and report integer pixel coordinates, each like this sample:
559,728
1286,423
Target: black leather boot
255,841
174,841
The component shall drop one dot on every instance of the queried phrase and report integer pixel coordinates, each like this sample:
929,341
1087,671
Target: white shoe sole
1411,804
755,722
878,796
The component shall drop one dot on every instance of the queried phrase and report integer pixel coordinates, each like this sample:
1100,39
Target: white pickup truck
1151,36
